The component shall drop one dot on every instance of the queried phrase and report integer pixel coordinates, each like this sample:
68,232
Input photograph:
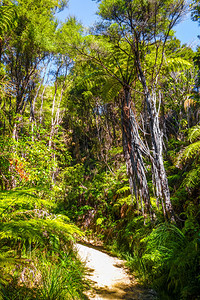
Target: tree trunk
133,153
41,105
159,174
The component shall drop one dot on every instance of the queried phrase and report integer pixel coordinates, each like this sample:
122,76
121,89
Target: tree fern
111,86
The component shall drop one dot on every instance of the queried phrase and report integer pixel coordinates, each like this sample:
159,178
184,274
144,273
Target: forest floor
109,278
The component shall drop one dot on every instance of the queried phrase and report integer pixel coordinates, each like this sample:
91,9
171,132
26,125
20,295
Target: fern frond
165,235
128,200
37,230
111,86
27,218
111,89
12,201
177,64
123,190
162,245
191,151
174,178
194,133
7,17
192,179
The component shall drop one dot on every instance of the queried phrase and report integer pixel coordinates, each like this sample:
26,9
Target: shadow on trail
122,291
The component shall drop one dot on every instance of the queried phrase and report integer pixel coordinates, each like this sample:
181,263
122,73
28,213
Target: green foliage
142,15
7,18
62,280
194,133
30,227
170,261
36,24
27,160
178,64
25,217
161,244
189,152
162,257
190,156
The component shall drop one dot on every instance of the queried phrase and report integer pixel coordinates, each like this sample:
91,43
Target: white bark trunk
133,149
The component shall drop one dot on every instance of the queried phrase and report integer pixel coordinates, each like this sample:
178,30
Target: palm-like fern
190,157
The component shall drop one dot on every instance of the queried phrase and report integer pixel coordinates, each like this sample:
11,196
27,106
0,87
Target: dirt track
109,278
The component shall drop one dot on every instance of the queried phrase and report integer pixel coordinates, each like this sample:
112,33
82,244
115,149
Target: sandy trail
109,278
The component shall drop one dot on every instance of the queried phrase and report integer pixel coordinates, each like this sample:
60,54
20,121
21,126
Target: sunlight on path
109,277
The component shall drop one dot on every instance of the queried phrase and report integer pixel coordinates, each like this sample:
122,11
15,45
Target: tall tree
146,26
29,44
115,67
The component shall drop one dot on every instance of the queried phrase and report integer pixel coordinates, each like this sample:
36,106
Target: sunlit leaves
192,151
194,133
7,18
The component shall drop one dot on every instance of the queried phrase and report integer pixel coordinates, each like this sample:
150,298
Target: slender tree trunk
41,106
33,103
160,177
52,116
161,180
133,154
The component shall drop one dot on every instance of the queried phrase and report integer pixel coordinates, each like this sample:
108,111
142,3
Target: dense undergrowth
37,259
37,255
163,255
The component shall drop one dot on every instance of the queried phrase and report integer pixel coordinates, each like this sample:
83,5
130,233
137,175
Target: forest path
109,278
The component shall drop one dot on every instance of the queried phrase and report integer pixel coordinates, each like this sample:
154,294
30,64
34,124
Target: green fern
111,89
28,222
165,235
192,179
16,202
26,217
123,190
162,245
194,133
191,151
190,157
7,18
177,64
